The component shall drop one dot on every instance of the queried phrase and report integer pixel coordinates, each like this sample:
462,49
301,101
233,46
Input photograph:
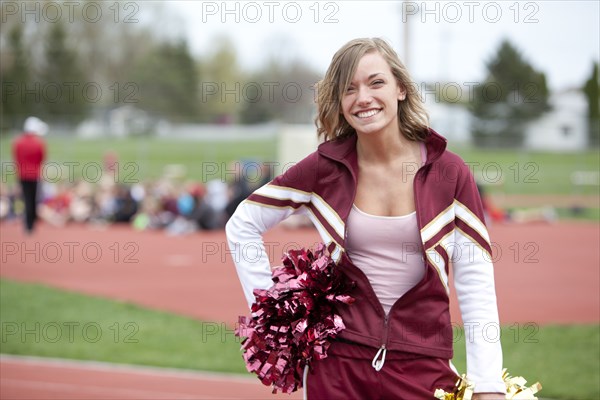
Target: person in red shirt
29,152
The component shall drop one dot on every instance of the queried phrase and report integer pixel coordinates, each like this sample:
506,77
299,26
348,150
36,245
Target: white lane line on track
129,368
178,260
97,391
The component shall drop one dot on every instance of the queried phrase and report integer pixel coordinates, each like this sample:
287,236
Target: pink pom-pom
293,321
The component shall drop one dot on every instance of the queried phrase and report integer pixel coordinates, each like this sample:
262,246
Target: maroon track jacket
450,218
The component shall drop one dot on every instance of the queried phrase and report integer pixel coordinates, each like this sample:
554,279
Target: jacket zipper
379,359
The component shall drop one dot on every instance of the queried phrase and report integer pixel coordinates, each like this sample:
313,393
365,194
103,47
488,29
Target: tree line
65,70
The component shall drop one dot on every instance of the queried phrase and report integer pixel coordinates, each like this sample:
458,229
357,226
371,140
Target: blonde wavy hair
330,121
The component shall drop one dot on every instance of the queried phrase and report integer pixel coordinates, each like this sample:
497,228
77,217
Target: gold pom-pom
516,389
463,390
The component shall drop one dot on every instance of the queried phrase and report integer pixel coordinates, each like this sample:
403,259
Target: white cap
35,125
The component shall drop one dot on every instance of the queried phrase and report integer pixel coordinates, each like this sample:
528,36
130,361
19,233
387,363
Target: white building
121,121
452,121
564,128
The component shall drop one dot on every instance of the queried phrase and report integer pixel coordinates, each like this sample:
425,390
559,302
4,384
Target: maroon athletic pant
404,376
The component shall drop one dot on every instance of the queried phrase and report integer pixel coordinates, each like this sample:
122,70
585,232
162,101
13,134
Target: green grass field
522,172
42,321
145,158
80,327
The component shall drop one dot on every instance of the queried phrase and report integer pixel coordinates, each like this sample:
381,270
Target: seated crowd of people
170,203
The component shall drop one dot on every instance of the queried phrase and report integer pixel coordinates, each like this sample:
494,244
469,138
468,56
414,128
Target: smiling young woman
393,203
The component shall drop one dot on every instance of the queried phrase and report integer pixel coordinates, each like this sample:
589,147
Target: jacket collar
344,150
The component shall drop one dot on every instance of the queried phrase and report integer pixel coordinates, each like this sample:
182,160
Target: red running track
545,273
27,378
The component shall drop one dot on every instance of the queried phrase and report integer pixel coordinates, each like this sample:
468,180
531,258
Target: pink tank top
388,250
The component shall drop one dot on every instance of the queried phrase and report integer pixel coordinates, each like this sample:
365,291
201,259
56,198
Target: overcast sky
449,41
